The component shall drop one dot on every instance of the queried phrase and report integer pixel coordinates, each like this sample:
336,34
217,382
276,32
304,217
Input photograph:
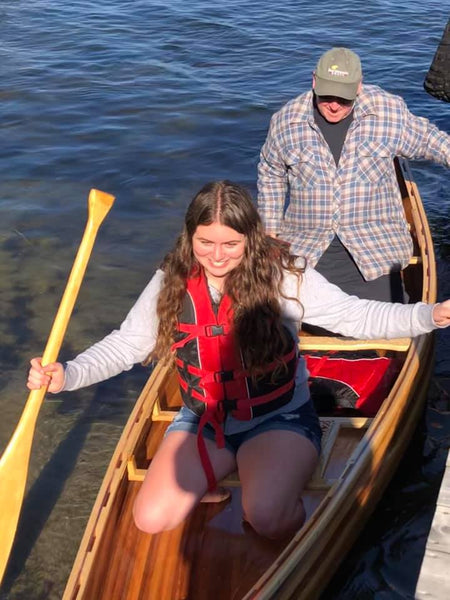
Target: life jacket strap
224,376
243,410
198,331
211,376
210,416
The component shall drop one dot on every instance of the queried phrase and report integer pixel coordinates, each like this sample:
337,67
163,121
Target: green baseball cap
338,73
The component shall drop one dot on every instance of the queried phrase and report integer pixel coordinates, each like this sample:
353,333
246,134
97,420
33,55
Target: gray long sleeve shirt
314,300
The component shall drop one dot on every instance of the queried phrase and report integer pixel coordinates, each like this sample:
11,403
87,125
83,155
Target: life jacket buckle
223,376
214,330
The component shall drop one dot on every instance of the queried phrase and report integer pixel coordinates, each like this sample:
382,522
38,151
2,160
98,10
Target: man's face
333,108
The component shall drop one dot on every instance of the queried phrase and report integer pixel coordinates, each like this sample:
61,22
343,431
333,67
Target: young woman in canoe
227,306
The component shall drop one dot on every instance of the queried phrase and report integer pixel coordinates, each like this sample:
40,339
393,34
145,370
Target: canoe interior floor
169,566
176,565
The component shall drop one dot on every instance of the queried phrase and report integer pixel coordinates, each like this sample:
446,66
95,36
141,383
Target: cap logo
334,70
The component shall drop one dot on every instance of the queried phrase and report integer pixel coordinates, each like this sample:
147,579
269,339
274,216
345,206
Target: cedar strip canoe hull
213,554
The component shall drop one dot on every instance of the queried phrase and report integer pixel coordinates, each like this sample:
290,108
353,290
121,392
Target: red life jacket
211,371
351,383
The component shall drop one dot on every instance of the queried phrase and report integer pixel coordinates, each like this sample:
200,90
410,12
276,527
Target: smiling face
219,249
334,108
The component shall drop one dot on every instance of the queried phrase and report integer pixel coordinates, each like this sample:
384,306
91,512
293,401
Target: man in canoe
329,153
226,307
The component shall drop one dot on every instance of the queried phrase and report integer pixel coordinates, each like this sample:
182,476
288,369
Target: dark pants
338,266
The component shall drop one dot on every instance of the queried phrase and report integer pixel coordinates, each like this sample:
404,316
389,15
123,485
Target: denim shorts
302,420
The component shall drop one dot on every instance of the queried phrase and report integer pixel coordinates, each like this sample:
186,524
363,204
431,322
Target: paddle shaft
15,459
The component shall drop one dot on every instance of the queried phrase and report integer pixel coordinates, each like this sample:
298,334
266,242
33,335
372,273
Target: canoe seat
311,343
330,430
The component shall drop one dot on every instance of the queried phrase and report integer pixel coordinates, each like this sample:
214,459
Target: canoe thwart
318,343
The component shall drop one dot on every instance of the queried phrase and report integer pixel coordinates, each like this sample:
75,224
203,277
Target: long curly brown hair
254,286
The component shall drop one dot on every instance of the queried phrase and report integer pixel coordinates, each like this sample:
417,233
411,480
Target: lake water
148,101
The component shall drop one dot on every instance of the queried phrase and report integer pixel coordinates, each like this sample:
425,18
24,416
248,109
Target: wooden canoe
212,554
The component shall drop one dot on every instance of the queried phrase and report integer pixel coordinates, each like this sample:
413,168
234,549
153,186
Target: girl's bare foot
218,495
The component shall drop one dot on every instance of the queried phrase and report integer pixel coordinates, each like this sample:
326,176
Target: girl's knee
275,522
153,518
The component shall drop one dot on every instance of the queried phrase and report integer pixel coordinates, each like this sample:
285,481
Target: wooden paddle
15,459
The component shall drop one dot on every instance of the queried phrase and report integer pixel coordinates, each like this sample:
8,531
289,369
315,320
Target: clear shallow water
148,101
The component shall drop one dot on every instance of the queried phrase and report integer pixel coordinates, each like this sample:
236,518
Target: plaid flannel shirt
305,199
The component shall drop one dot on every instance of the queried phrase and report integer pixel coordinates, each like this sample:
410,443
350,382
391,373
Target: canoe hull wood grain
214,554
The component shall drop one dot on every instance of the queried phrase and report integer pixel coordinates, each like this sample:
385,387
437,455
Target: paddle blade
13,474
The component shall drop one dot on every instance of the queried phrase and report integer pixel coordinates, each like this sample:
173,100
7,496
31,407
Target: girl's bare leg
175,481
274,468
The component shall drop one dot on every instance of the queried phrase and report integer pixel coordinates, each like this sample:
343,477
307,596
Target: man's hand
441,314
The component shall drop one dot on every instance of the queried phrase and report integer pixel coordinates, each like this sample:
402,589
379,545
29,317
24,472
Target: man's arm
272,181
422,139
